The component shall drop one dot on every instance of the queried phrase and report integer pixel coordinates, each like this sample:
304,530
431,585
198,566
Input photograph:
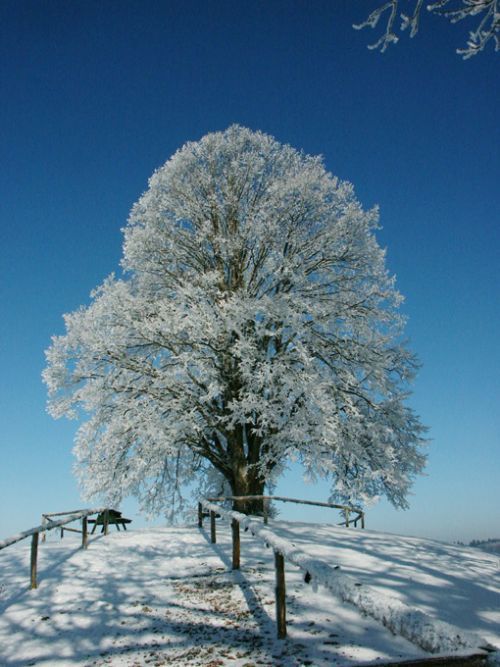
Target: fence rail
278,545
50,525
346,509
49,522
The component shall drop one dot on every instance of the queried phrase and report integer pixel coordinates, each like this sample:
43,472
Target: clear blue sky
96,95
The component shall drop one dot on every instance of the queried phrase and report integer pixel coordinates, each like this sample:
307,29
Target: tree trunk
245,480
248,485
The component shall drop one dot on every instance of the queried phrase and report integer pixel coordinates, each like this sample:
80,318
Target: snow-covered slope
458,585
167,596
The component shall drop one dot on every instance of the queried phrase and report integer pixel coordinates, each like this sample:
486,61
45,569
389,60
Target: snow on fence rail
346,509
426,632
49,522
35,532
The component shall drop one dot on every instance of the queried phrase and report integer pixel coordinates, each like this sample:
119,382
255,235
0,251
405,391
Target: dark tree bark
249,487
246,480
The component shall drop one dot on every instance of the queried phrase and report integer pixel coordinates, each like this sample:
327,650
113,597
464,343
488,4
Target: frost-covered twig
487,29
388,36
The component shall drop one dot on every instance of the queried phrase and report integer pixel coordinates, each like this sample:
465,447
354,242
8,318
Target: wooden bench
114,517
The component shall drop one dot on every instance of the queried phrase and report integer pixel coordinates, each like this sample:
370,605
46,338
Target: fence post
213,538
106,521
84,533
44,521
200,515
265,507
279,562
347,518
34,555
236,544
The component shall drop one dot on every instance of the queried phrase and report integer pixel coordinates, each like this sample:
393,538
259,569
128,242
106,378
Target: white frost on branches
256,323
486,29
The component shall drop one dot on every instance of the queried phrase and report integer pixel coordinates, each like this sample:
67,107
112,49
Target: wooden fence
315,569
358,513
49,524
279,558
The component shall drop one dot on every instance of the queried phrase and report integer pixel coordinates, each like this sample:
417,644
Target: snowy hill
167,596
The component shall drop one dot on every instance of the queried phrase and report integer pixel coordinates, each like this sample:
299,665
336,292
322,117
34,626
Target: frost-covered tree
256,324
484,13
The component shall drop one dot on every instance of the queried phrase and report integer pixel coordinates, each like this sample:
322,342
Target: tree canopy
255,324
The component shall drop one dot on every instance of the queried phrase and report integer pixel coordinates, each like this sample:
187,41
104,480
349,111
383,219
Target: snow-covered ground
455,584
168,597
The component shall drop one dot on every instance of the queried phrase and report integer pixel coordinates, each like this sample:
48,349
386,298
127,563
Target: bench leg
124,526
93,529
117,526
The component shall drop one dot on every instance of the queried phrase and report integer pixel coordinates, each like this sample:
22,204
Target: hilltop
167,596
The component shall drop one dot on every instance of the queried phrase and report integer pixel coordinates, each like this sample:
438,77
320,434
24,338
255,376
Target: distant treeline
492,545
